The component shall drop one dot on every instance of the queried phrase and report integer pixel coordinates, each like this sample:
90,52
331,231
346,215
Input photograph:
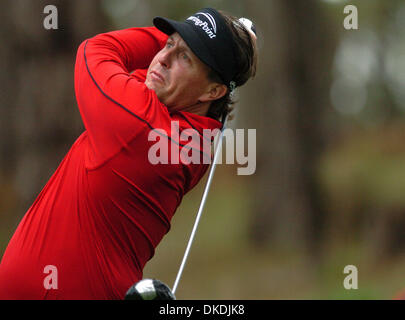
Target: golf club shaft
200,210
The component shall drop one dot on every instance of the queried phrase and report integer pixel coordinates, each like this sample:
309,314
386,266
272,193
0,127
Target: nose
165,58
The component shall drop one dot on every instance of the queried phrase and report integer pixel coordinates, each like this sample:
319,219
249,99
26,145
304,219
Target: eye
184,56
169,44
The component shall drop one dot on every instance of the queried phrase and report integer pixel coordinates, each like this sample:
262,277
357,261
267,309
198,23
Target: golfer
98,220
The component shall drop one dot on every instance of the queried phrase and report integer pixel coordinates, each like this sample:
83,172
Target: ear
214,91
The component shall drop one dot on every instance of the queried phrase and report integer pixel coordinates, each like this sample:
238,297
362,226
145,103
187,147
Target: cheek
185,79
148,81
194,85
183,85
186,90
152,64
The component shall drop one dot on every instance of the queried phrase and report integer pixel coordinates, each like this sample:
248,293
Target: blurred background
328,105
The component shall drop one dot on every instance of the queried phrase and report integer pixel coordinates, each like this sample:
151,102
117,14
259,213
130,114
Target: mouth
157,76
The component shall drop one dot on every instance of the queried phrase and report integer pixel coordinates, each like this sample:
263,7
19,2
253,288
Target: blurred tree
298,46
39,119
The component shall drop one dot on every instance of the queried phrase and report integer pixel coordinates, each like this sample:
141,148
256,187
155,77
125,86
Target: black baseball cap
209,37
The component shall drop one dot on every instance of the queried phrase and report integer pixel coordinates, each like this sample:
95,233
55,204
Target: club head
149,289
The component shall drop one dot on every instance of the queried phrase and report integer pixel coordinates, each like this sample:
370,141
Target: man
100,217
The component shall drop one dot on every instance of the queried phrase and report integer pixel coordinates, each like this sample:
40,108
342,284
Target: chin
160,95
149,84
158,90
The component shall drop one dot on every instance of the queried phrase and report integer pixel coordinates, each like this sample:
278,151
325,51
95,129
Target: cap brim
190,37
165,25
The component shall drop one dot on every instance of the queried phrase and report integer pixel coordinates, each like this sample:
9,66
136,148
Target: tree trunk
293,79
39,120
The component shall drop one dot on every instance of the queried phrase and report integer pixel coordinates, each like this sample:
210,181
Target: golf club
152,289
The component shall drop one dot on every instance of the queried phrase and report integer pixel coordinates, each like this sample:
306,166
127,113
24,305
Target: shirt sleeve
113,104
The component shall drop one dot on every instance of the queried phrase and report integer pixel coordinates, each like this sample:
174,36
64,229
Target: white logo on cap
210,31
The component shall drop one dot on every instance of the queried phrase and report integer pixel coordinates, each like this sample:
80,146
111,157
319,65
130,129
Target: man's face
177,76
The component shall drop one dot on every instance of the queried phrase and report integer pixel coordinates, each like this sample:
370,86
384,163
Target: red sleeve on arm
112,103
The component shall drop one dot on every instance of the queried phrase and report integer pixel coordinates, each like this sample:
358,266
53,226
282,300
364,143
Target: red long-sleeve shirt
106,208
